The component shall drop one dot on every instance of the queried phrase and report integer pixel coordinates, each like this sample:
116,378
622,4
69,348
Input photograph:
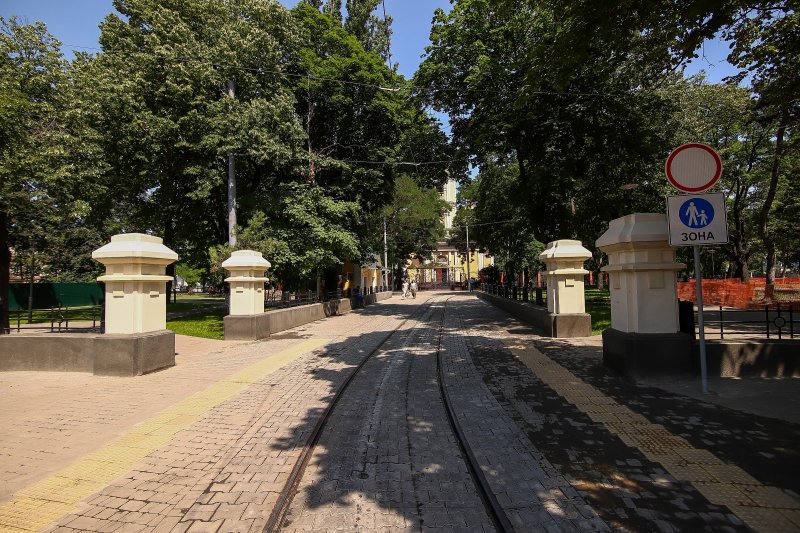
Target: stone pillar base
648,354
247,327
567,326
135,354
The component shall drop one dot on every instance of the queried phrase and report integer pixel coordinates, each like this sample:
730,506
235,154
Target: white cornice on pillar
247,268
565,289
642,271
135,282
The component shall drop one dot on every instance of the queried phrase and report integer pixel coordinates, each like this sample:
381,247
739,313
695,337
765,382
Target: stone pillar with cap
136,340
247,269
136,283
247,319
645,337
565,288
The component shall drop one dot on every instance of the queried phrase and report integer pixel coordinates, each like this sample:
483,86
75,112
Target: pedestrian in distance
405,289
414,289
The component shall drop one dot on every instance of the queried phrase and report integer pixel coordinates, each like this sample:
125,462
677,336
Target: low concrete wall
133,355
105,355
648,354
761,358
255,327
558,326
52,352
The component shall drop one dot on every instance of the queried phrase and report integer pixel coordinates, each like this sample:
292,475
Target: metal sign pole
698,274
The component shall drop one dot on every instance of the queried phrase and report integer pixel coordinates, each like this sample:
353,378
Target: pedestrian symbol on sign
696,213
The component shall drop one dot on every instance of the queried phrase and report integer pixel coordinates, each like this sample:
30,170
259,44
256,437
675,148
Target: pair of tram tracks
493,509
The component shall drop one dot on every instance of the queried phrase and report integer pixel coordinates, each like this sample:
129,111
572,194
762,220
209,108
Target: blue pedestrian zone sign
696,213
697,219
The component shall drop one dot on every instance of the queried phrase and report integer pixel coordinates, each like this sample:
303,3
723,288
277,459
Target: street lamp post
385,257
469,278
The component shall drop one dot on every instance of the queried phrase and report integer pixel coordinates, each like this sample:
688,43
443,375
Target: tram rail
492,507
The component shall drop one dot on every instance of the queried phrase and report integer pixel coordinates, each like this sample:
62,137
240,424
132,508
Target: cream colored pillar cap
246,260
138,247
564,250
638,227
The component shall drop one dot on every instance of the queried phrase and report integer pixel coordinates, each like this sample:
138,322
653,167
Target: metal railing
774,321
59,319
534,295
277,299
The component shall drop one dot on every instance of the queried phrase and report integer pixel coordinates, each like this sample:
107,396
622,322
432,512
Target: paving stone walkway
565,445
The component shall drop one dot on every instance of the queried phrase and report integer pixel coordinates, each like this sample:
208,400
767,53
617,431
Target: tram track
279,512
492,508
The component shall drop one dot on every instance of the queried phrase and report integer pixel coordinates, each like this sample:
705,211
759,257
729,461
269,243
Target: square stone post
247,269
644,338
136,340
565,292
247,320
136,283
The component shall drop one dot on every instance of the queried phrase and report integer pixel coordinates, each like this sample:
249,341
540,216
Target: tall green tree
497,220
413,222
157,95
576,139
364,127
766,47
38,195
374,32
304,232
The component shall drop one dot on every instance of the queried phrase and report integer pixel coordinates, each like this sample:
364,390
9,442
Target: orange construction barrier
733,293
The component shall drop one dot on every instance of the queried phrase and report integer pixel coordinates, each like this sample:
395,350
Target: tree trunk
5,273
172,295
766,234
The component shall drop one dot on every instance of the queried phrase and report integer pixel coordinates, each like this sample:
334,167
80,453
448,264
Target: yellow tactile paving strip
761,507
45,501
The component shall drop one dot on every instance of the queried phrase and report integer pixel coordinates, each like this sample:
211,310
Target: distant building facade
445,265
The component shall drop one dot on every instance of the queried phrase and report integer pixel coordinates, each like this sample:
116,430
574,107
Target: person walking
405,289
414,289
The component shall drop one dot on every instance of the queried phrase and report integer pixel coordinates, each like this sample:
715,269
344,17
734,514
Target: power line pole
231,186
385,257
469,278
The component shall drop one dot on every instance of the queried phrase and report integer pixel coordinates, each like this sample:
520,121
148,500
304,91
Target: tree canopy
566,108
585,99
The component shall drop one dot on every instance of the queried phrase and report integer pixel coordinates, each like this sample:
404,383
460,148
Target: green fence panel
78,294
49,295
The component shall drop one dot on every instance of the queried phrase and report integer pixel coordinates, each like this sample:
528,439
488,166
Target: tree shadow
383,453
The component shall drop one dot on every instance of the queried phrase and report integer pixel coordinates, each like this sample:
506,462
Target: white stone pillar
644,338
642,271
565,288
247,269
136,284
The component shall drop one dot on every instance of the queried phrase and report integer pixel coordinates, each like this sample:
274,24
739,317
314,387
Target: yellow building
445,266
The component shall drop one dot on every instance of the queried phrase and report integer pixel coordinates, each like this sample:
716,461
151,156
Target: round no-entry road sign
693,167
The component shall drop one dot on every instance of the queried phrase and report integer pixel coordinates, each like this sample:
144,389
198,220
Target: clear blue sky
74,22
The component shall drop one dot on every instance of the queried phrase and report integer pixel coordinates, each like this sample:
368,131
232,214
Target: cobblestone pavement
387,459
534,494
645,459
212,461
564,444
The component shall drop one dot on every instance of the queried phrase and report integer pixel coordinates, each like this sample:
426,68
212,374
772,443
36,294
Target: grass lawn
208,325
598,304
194,296
188,306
